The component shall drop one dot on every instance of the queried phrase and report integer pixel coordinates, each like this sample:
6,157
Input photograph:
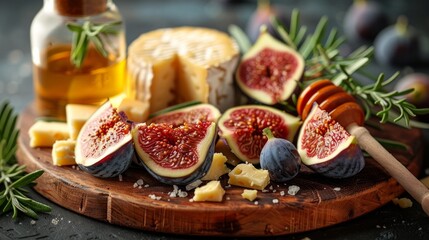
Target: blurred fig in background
262,16
364,20
398,44
420,83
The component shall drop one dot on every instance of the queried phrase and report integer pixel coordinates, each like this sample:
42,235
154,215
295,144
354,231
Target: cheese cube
246,175
136,111
249,194
212,192
63,152
218,167
44,134
77,115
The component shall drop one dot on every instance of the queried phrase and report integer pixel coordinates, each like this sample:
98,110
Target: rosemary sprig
88,33
13,178
323,60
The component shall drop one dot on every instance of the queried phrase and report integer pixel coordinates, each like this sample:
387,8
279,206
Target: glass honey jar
78,51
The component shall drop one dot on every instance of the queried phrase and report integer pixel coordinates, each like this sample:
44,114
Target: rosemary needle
88,33
13,178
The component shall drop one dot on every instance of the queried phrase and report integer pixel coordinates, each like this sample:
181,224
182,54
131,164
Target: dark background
388,222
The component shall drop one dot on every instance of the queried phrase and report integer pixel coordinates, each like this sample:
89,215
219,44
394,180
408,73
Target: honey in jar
57,79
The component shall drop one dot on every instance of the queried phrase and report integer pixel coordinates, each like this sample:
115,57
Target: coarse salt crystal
282,193
120,178
256,202
337,189
140,182
275,201
293,190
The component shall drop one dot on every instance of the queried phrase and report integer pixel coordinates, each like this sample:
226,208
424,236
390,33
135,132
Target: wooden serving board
320,201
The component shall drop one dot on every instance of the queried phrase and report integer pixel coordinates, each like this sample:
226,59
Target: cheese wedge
44,134
137,111
77,115
174,65
218,167
211,192
246,175
63,152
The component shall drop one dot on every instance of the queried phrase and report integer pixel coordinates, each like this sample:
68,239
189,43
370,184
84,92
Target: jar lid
80,7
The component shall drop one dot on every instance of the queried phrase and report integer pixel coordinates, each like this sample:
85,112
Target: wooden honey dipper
343,108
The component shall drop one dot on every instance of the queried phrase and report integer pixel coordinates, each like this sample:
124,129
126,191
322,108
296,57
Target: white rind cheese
211,192
44,134
246,175
63,152
174,65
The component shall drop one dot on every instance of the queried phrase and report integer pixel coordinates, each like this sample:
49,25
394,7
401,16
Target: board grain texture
320,201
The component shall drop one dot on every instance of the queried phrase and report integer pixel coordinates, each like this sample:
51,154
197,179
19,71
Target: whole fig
364,20
280,157
398,45
262,16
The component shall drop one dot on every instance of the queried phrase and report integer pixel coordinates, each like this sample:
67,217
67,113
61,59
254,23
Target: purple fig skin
281,158
114,164
346,164
397,45
364,20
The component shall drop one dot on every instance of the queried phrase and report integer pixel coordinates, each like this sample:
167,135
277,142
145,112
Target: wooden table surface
387,222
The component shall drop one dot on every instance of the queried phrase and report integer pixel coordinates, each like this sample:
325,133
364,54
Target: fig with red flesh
327,148
104,146
192,113
176,155
242,128
270,71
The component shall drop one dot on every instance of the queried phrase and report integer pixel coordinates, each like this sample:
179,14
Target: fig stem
402,25
268,133
396,169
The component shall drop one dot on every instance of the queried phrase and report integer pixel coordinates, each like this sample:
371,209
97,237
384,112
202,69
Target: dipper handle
404,177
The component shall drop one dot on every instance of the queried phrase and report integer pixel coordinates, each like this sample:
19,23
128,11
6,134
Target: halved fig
327,148
242,128
190,113
104,146
270,71
176,155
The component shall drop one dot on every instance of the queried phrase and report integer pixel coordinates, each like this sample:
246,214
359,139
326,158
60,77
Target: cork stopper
76,8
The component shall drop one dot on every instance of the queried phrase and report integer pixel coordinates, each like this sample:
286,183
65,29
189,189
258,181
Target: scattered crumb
265,190
249,194
177,192
403,202
146,186
191,200
377,226
120,178
420,228
154,197
337,189
306,238
282,193
275,201
228,198
32,222
256,202
140,182
293,190
55,221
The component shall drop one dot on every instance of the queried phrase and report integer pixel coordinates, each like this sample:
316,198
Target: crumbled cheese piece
140,182
44,134
217,168
293,190
282,193
275,201
212,192
403,202
337,189
135,110
256,203
249,194
246,175
63,152
77,115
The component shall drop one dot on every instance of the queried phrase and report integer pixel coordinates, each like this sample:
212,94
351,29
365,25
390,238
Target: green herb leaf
12,176
88,33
